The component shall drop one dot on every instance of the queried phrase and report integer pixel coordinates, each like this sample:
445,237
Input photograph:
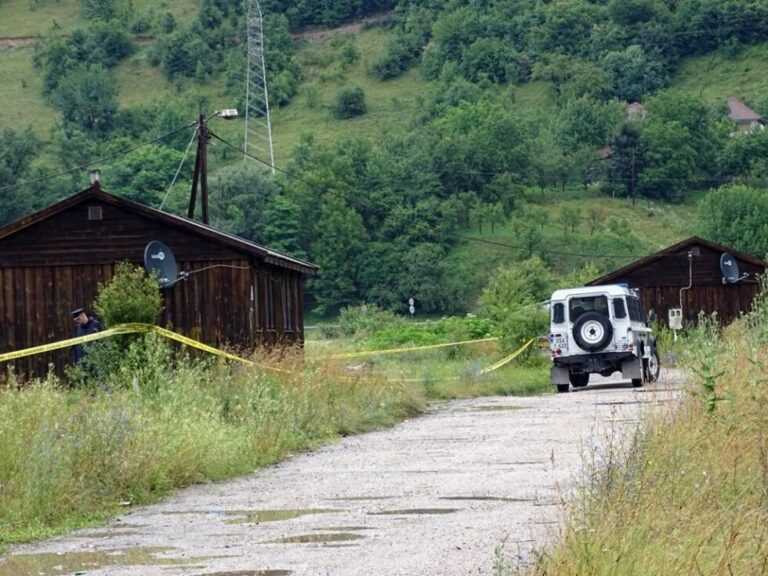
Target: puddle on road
360,498
259,516
486,499
415,512
72,562
327,538
249,573
496,408
345,528
104,535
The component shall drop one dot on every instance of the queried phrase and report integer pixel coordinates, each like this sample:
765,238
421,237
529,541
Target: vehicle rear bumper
592,362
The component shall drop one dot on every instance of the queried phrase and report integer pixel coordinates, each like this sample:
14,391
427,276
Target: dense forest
382,217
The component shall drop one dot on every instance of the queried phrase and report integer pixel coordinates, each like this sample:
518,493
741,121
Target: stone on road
443,494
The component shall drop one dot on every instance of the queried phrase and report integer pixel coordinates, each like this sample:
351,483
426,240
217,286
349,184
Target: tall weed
689,494
68,456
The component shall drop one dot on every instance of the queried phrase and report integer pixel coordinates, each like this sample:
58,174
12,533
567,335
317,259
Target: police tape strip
492,368
132,329
350,355
504,361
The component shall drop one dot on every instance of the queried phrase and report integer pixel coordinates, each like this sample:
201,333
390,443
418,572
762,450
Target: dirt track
444,494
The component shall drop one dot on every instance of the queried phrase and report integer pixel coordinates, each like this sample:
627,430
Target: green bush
131,296
350,102
367,319
512,301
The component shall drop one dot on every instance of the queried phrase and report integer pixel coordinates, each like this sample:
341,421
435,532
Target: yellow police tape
350,355
492,368
131,329
147,328
504,361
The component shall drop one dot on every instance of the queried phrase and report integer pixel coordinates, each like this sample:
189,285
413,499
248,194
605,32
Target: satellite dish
160,261
730,269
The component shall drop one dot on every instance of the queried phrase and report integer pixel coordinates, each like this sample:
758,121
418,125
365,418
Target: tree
350,102
338,248
103,9
634,73
144,174
511,300
627,161
87,98
18,151
670,160
281,226
585,121
737,216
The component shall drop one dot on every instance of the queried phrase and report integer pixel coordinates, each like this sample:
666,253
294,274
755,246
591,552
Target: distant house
746,119
636,112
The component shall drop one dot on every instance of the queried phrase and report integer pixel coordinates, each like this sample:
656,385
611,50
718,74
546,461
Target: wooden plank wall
729,302
229,302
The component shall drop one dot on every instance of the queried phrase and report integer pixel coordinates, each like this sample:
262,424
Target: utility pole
200,174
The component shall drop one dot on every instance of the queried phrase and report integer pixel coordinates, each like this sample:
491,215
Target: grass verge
71,457
691,496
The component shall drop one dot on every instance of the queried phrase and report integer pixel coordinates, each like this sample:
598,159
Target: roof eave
617,274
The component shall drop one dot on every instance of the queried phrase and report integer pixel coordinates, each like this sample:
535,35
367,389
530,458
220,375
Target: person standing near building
85,325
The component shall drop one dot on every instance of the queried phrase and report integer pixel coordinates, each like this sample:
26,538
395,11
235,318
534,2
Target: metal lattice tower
258,123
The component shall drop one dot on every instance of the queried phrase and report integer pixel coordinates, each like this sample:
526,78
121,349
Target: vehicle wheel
579,380
637,382
654,366
563,388
592,332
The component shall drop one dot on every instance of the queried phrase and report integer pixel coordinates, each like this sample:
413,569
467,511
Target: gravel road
445,494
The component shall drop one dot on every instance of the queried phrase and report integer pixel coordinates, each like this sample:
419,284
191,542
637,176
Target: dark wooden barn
239,294
661,276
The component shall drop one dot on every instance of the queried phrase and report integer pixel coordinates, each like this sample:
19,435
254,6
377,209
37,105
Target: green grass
716,76
36,17
70,457
21,92
391,104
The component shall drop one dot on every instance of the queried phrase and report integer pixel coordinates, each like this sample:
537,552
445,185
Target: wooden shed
238,294
661,276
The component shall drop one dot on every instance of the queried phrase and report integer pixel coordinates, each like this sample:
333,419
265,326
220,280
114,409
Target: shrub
366,319
350,102
131,296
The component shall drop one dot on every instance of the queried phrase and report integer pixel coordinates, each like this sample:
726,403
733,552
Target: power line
181,164
105,160
550,251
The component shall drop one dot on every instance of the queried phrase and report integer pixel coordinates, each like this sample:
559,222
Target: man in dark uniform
85,325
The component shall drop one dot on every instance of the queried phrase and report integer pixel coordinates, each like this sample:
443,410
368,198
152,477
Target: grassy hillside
35,17
654,225
715,77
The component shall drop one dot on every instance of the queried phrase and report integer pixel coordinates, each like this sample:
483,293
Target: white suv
600,330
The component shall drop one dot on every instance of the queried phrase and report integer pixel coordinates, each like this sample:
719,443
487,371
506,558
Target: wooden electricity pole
200,174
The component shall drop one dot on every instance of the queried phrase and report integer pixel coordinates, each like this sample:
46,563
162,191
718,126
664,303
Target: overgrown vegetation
688,496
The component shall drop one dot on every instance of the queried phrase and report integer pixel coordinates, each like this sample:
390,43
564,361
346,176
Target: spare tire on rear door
592,331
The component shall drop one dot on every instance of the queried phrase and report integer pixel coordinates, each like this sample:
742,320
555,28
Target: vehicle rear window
636,313
558,313
619,310
579,306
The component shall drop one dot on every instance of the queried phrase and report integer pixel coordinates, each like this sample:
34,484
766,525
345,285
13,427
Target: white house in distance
746,119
